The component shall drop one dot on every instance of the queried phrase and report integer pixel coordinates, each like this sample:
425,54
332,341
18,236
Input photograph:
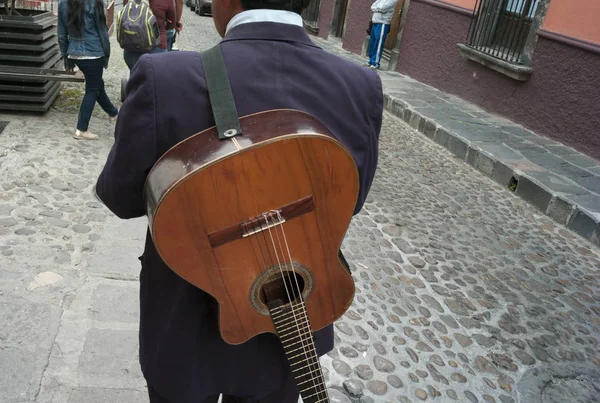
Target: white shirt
383,11
264,15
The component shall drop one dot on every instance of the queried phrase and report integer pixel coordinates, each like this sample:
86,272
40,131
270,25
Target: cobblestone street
464,291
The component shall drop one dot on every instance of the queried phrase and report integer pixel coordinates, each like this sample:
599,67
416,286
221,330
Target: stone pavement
558,180
465,292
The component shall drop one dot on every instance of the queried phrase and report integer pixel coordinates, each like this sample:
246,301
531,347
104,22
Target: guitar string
270,257
278,260
257,239
313,347
315,363
297,324
305,348
308,358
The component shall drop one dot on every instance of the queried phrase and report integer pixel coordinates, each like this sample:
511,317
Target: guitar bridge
262,222
276,219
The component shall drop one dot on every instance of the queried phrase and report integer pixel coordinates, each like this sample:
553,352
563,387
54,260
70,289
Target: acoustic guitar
257,222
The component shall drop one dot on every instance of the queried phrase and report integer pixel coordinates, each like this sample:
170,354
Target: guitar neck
294,331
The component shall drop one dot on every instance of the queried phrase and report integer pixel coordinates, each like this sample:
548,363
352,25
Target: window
500,28
310,15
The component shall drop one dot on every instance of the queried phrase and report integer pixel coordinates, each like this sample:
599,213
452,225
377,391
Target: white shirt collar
264,15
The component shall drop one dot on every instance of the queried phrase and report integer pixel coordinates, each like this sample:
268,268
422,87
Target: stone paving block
387,101
115,304
557,183
534,193
414,120
589,182
569,170
110,352
500,151
561,150
133,230
105,395
588,201
560,210
480,161
595,171
429,129
544,141
392,85
458,147
119,262
406,116
503,173
395,105
442,136
582,161
584,224
19,376
26,334
560,383
433,114
517,131
527,149
483,134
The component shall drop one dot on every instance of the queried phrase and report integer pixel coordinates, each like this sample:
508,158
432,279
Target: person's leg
170,36
103,99
373,42
288,393
381,42
156,397
131,58
92,71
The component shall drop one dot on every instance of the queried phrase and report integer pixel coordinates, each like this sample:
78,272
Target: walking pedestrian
83,41
164,11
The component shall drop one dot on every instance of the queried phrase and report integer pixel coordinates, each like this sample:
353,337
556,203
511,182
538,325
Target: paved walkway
464,291
558,180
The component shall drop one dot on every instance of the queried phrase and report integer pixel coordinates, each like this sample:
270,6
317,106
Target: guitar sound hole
287,287
270,286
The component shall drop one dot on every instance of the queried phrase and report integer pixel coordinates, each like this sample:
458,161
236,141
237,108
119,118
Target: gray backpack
137,28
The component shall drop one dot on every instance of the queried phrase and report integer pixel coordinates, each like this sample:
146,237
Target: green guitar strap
219,93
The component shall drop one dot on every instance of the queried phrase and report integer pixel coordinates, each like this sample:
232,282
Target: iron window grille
500,28
310,15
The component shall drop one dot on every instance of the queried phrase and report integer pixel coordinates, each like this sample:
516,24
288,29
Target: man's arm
387,5
369,166
62,30
178,10
375,6
121,183
170,16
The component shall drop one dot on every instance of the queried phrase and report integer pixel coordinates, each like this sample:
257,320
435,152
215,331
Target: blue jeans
379,33
92,70
170,36
131,58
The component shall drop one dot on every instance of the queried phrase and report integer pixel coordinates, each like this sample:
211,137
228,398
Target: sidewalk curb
504,171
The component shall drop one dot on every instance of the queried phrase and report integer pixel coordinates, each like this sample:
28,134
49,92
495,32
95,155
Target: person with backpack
155,28
83,41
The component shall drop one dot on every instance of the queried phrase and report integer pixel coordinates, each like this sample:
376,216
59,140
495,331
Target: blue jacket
92,40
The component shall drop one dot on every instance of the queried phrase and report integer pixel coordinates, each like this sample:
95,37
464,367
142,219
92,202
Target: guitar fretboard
294,331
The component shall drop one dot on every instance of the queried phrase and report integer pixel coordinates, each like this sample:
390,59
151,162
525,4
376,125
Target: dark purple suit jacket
270,66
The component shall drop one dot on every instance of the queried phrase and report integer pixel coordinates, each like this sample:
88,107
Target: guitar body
237,217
